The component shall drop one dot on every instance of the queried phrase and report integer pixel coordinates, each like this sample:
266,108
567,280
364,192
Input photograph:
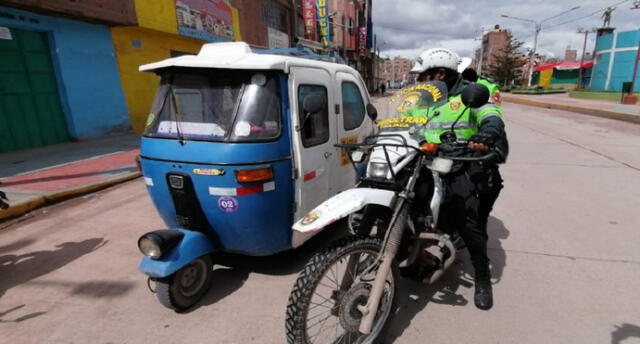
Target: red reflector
249,190
429,147
247,176
309,176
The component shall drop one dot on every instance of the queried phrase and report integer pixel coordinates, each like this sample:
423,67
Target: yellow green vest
441,119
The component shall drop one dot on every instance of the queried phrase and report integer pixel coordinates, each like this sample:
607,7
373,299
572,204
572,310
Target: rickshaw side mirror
475,95
313,103
372,111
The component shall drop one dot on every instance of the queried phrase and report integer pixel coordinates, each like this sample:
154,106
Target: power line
587,16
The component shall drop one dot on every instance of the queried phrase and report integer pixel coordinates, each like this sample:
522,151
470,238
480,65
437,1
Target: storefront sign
362,41
277,39
309,15
209,20
323,22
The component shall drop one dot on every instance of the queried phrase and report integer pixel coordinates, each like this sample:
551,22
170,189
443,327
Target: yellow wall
157,14
545,78
139,87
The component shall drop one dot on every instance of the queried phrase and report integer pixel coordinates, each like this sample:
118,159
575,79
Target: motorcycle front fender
192,246
341,205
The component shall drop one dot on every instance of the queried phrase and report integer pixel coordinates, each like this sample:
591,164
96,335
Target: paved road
564,247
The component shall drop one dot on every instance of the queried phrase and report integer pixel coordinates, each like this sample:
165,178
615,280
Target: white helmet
436,58
464,64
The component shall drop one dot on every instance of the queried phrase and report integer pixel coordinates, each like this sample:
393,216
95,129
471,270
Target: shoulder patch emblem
496,99
454,105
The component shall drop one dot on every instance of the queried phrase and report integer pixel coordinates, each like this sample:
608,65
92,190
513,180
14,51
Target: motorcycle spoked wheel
186,286
318,312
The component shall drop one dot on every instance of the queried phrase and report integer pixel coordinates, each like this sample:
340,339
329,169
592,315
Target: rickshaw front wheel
186,286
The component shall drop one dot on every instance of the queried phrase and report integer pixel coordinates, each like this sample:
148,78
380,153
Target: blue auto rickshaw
238,146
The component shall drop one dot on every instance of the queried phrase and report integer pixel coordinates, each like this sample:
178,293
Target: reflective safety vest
494,91
467,120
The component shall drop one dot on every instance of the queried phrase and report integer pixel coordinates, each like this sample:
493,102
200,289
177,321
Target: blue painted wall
600,69
623,61
604,42
87,72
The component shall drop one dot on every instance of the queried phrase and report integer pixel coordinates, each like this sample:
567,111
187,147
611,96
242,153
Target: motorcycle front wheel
323,305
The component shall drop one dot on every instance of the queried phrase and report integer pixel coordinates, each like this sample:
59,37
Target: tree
507,64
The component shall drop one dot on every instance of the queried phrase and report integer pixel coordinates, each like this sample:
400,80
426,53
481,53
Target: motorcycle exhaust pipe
443,241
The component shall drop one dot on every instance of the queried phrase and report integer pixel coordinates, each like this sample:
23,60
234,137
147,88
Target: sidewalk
599,108
40,176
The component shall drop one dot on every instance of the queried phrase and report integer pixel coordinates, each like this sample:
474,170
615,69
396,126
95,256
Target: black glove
486,139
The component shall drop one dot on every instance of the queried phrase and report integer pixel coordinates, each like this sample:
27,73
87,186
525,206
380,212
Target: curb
621,116
58,196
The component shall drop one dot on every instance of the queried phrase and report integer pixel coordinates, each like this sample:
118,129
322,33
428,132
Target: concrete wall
137,46
119,12
615,62
86,71
157,15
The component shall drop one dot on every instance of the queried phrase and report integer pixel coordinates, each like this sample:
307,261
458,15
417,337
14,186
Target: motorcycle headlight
378,169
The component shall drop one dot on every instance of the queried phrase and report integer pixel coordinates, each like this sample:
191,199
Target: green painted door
30,109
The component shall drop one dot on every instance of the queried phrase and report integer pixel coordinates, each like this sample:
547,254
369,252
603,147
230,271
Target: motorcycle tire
186,286
311,278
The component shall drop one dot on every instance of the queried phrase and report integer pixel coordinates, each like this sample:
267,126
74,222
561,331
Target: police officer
472,190
471,75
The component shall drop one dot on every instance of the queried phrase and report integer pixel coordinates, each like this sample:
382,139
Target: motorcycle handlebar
444,148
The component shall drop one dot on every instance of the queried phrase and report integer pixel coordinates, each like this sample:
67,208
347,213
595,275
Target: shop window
274,16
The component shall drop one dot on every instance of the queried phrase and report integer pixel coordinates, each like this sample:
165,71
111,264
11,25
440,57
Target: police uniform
472,190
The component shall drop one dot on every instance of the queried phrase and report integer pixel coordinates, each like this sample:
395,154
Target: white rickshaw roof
238,55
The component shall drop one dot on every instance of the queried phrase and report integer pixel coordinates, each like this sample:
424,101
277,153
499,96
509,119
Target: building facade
59,79
71,67
492,42
615,58
396,72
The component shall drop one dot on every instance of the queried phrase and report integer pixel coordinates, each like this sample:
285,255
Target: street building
615,58
59,80
71,69
395,72
492,42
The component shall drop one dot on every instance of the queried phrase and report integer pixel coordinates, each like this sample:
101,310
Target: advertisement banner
323,21
209,20
309,15
362,41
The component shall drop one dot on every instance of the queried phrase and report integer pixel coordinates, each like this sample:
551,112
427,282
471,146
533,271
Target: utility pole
584,48
481,59
538,25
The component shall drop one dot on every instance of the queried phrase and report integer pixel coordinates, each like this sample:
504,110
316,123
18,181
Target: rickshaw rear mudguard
341,205
192,246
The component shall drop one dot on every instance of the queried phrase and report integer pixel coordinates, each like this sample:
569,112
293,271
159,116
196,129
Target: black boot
483,296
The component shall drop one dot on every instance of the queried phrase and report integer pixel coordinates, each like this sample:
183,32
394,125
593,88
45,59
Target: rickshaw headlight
157,243
378,169
149,248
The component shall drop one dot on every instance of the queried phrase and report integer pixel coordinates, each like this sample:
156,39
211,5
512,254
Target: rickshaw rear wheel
186,286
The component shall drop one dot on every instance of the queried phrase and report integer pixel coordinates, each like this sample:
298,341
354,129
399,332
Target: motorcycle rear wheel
317,302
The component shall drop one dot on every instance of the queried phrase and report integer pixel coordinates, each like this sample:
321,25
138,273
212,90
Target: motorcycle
346,293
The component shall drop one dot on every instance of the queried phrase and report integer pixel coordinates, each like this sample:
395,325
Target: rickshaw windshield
413,106
216,105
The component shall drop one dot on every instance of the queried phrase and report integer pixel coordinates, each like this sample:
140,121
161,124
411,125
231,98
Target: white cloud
412,26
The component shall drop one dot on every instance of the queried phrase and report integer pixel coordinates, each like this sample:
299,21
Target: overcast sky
407,27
